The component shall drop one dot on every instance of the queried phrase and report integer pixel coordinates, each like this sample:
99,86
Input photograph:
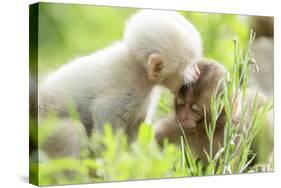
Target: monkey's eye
180,102
195,107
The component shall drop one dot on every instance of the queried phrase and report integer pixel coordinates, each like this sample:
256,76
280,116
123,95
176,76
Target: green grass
115,159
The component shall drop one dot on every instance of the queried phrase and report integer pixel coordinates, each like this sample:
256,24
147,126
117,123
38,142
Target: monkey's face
191,101
190,106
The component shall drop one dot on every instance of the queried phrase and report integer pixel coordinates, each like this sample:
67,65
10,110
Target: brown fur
193,122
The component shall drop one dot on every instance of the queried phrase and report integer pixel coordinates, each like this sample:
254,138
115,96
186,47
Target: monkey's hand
167,128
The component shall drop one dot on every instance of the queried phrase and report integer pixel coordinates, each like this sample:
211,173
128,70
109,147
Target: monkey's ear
155,66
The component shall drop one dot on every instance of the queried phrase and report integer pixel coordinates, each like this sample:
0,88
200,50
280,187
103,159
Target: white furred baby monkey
115,84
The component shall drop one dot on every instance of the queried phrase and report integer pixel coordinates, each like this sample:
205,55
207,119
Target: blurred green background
67,31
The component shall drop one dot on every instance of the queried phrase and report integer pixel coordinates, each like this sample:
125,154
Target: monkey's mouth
186,126
191,73
192,83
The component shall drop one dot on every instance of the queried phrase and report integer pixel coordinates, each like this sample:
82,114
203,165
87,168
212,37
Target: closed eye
180,101
181,104
196,108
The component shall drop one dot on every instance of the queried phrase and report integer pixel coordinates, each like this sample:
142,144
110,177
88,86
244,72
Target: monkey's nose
195,77
197,73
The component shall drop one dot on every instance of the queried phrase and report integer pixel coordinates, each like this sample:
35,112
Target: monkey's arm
167,128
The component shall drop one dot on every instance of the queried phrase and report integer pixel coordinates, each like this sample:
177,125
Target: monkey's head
190,101
166,45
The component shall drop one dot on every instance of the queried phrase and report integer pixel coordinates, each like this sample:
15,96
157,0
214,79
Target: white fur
155,95
113,81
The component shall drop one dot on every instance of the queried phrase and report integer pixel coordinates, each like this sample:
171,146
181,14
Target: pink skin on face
186,118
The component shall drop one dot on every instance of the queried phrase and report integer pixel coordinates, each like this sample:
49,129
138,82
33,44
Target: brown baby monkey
190,103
